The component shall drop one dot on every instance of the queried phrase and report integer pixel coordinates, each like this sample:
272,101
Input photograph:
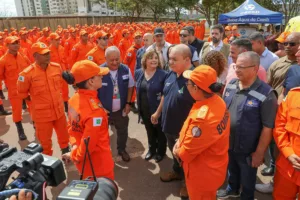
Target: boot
3,112
24,106
66,106
20,130
1,94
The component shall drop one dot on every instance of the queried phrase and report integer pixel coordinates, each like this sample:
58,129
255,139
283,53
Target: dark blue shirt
139,55
292,78
177,103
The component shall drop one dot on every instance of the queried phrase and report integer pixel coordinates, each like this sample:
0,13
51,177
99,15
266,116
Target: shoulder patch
93,104
202,112
97,121
21,78
28,69
128,54
196,132
90,58
73,49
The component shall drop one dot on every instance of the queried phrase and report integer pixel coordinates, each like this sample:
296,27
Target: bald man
148,41
176,106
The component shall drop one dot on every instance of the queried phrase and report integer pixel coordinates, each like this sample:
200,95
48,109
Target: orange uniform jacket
10,67
124,45
130,57
44,88
287,135
44,40
68,48
79,52
97,55
88,118
26,45
204,144
58,56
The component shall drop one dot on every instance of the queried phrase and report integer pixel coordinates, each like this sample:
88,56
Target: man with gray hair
258,45
252,105
148,41
115,95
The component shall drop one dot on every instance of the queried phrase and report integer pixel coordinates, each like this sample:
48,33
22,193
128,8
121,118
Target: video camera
36,171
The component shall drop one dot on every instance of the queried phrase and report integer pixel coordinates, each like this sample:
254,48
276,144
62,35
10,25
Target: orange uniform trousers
44,134
284,189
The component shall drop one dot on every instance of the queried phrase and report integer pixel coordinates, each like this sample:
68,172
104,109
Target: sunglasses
292,44
183,35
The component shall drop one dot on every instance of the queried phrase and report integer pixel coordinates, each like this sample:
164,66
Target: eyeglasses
187,84
236,67
183,35
292,44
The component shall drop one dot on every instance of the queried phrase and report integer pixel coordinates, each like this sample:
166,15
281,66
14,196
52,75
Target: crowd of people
218,105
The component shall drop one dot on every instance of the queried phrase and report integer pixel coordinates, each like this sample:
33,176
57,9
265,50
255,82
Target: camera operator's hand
22,196
66,157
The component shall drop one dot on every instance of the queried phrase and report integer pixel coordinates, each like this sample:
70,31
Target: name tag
125,77
167,84
252,103
104,84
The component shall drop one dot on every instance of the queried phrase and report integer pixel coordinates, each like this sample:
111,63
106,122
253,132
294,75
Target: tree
178,5
158,7
290,8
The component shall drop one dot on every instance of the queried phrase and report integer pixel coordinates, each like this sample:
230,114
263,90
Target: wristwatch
129,103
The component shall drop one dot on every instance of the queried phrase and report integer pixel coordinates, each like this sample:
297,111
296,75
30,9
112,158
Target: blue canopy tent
250,12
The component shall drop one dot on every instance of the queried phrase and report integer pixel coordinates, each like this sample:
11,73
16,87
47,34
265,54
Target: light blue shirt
267,58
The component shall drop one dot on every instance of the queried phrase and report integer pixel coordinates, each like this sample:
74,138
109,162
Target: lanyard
114,80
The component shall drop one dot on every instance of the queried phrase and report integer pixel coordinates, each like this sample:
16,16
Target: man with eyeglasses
195,42
11,64
252,105
148,40
97,54
184,39
258,45
216,44
160,45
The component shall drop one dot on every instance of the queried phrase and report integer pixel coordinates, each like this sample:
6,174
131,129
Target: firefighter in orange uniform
97,54
44,39
11,64
80,49
287,137
58,56
203,143
25,44
69,44
42,81
124,44
235,31
87,118
227,34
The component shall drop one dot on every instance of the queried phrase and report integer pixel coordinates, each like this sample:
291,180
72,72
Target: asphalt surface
137,180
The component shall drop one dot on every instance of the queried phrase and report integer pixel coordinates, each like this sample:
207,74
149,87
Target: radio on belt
81,189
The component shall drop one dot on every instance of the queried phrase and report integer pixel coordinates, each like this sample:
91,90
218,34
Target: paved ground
137,180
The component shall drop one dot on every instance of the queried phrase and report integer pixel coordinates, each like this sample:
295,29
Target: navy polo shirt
177,103
292,78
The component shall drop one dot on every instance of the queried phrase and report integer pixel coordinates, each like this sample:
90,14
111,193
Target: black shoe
158,158
224,194
149,155
125,156
20,130
134,109
24,106
268,171
4,112
66,106
1,94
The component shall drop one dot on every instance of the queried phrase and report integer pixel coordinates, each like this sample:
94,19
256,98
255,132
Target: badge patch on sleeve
97,121
196,132
90,57
21,78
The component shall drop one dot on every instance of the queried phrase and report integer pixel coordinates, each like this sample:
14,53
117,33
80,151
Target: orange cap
283,36
23,32
228,28
72,30
39,48
138,33
54,36
11,39
125,31
100,34
234,27
203,76
83,32
5,30
86,69
46,29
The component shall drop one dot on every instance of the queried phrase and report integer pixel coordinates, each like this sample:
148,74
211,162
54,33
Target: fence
53,21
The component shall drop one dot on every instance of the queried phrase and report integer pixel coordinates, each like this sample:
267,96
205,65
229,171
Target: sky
7,8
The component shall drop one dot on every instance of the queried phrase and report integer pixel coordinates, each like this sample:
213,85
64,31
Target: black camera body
36,170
